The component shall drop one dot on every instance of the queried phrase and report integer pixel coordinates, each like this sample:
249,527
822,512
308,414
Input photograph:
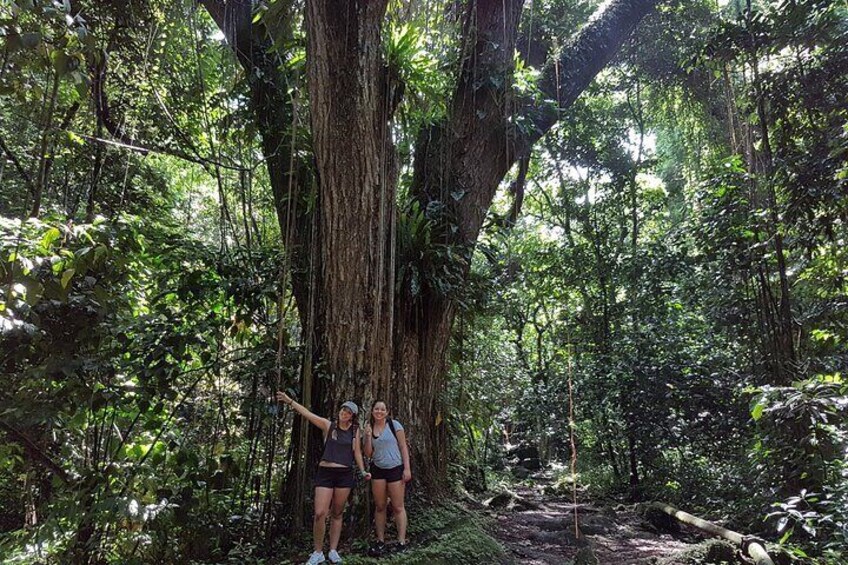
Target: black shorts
392,475
335,477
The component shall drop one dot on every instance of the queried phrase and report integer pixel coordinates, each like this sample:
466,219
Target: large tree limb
571,72
234,19
461,161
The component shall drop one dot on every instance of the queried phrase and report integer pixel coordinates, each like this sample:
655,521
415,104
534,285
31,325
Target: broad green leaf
67,276
49,237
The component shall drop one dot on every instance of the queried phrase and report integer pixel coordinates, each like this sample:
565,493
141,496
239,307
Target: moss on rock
709,552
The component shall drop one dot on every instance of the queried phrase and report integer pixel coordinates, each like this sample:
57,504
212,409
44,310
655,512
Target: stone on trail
609,512
548,523
596,525
520,472
510,501
523,452
531,463
561,537
661,521
708,552
500,500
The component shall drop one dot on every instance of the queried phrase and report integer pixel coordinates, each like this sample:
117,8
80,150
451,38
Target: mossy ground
447,534
708,552
441,535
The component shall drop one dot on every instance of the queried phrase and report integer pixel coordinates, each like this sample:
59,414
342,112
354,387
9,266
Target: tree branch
35,452
234,19
18,166
517,190
460,162
101,102
567,76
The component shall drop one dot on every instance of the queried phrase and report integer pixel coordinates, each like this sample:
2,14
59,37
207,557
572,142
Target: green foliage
679,271
802,435
426,265
408,58
113,345
656,252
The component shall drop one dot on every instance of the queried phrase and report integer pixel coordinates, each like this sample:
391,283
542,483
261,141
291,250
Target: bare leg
336,513
378,489
397,491
323,496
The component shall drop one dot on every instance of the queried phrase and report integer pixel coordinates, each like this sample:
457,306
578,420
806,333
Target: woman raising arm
335,476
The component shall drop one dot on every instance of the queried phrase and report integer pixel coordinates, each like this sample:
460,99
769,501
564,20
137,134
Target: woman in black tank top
335,474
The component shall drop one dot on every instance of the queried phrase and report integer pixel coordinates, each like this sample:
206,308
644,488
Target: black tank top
339,445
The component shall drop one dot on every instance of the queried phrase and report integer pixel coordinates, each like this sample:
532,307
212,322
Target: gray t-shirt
386,448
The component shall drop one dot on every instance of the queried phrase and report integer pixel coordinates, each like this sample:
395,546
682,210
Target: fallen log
749,545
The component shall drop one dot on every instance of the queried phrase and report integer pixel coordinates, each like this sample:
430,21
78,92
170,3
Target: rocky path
538,529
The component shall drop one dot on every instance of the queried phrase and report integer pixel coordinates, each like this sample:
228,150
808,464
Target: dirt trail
538,529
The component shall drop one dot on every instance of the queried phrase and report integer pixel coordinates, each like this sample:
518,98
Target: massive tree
370,335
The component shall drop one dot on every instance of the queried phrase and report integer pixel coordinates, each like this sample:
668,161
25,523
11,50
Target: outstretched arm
322,423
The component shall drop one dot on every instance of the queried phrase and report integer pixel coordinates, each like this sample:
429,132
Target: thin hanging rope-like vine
225,217
571,438
282,309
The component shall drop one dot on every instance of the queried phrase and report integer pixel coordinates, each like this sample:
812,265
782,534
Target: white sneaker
316,558
334,556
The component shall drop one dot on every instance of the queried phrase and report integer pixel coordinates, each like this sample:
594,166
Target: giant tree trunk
422,335
371,338
356,186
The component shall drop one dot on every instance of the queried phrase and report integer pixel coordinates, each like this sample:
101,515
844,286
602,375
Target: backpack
391,423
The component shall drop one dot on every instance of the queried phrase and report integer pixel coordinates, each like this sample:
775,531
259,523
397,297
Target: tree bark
352,155
372,338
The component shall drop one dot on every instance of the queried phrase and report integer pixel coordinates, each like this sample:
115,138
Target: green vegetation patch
446,535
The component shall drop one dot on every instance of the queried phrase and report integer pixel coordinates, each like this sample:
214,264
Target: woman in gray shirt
385,443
